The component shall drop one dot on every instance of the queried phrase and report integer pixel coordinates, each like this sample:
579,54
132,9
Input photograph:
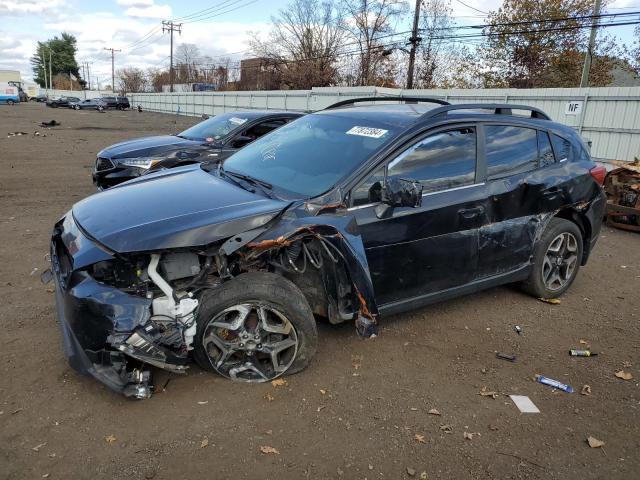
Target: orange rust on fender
364,310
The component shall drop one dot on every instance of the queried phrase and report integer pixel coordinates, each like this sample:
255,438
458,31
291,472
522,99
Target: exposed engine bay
153,299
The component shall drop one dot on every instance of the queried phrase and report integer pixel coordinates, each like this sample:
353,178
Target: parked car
353,213
211,140
119,103
62,102
92,104
39,99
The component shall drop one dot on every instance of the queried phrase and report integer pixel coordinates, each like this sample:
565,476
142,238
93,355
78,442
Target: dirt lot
357,411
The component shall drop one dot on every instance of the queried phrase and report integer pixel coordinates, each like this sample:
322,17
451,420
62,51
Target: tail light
598,173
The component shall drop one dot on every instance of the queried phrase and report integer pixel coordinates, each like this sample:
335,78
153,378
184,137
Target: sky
217,27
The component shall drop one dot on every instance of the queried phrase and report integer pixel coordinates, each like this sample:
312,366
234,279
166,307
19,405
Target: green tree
542,43
63,58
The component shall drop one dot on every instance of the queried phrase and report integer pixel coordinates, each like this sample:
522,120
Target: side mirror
399,192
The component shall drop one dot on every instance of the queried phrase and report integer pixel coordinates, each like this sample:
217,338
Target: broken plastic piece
554,383
504,356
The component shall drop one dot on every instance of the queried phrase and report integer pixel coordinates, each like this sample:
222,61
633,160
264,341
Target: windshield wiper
264,186
250,179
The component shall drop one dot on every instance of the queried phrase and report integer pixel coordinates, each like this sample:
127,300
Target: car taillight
598,173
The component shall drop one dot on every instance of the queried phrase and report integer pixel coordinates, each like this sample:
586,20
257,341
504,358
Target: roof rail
498,109
393,98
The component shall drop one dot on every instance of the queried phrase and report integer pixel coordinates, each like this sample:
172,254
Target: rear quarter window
561,147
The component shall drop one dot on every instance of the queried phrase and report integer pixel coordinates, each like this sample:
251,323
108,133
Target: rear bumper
595,215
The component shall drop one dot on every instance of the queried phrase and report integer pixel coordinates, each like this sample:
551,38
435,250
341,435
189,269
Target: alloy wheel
560,261
250,342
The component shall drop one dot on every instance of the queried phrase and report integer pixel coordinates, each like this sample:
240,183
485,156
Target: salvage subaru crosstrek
350,214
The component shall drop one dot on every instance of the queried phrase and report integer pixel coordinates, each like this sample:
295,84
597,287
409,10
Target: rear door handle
469,213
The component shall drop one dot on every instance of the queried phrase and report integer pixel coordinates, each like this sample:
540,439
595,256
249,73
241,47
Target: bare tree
368,21
187,59
131,79
303,44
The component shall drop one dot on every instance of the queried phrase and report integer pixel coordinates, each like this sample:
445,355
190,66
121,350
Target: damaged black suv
351,213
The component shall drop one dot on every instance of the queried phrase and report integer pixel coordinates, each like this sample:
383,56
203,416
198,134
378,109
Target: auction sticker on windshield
367,132
237,121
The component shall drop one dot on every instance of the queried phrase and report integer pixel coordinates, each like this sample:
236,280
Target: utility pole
113,74
414,40
50,76
169,26
584,82
88,75
44,69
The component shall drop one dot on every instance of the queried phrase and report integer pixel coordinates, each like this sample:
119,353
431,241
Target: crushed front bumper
89,312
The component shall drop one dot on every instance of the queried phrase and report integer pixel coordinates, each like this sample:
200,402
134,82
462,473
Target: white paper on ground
524,404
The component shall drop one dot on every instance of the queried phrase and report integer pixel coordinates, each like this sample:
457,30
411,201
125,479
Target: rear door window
510,150
440,161
545,152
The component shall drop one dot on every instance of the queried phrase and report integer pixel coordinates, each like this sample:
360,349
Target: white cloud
153,11
30,7
135,3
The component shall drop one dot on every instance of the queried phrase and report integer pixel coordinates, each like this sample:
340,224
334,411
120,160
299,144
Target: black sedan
62,102
211,140
90,104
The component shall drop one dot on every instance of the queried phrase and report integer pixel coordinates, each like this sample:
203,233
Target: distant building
189,87
258,74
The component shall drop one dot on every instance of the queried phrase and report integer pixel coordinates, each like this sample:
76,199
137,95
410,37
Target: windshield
214,128
310,155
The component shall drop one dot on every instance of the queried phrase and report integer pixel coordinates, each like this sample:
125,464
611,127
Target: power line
225,12
472,8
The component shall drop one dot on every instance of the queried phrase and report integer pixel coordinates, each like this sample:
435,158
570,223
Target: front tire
255,328
556,260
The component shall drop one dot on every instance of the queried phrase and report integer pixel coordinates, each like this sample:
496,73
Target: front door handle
469,213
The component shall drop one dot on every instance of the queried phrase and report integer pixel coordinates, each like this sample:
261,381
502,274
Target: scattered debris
518,329
49,124
469,435
505,356
552,301
16,134
419,438
423,476
110,439
17,410
139,108
524,404
321,407
485,392
433,411
38,447
493,428
268,397
33,272
582,353
622,186
626,364
585,342
269,450
594,442
323,392
554,383
411,472
624,375
204,443
446,428
279,382
586,390
203,402
356,362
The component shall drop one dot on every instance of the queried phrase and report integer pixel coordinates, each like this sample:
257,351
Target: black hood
147,147
174,208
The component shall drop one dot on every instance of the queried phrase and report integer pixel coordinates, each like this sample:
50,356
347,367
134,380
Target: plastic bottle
554,383
582,353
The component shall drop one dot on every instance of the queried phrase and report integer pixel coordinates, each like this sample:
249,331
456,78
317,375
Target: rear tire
556,260
255,328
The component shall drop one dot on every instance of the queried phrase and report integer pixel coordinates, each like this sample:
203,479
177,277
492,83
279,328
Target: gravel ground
361,410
